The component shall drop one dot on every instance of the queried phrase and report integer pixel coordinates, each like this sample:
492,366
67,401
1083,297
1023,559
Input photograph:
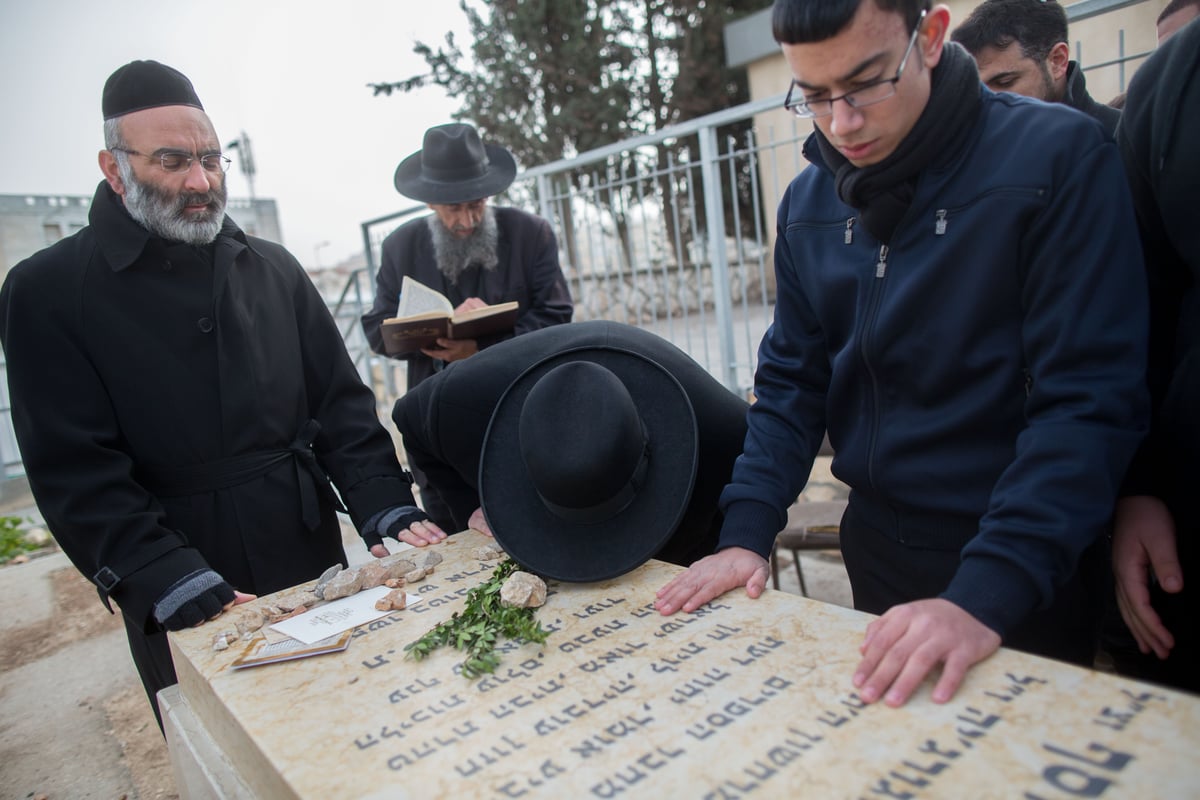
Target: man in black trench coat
180,391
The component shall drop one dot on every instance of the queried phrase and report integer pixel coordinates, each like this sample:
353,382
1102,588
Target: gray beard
162,214
455,255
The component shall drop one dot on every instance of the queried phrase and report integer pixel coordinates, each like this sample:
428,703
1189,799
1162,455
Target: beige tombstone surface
744,698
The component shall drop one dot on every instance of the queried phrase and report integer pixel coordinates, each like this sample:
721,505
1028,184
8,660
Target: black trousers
885,572
152,657
1181,668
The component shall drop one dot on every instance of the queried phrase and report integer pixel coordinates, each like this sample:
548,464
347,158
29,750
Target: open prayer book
425,315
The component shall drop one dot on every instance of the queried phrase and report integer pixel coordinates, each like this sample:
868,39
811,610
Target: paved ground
74,721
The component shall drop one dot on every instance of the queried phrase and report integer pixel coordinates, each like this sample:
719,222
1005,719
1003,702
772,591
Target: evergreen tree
546,78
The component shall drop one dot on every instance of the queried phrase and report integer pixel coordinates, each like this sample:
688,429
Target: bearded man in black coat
180,393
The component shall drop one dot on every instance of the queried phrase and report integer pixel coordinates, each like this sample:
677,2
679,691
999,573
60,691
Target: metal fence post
545,202
714,212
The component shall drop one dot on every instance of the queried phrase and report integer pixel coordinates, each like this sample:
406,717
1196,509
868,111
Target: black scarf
882,192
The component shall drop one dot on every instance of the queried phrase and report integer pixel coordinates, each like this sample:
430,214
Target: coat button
204,324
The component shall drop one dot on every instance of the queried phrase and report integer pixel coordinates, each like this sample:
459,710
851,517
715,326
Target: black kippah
146,84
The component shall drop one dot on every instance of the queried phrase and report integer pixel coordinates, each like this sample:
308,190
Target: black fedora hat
455,166
588,463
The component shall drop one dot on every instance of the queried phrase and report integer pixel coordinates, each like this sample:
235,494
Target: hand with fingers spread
910,641
403,523
1144,547
711,577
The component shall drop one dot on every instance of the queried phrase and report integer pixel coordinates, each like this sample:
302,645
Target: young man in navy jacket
961,302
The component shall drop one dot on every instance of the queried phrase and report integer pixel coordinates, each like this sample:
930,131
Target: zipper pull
939,227
849,232
881,267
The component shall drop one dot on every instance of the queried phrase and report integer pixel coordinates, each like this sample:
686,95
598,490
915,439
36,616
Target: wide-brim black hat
572,411
455,166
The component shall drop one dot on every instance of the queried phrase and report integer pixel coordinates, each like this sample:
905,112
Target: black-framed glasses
175,161
873,92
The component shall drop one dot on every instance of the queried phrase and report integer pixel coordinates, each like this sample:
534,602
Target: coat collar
123,241
1077,97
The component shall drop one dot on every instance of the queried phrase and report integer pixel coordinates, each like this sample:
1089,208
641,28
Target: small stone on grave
397,567
248,620
373,574
489,552
394,600
425,559
326,577
416,575
293,600
523,590
223,639
282,615
344,584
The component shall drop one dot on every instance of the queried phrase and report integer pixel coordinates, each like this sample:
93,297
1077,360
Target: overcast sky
292,74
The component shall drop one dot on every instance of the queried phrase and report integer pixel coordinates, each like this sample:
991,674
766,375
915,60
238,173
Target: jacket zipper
864,348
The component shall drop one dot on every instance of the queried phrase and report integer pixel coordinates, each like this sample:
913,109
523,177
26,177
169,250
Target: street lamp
242,145
317,254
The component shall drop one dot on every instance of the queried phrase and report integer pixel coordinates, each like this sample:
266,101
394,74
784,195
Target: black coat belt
225,473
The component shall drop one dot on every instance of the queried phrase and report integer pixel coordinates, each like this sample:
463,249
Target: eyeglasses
874,92
181,162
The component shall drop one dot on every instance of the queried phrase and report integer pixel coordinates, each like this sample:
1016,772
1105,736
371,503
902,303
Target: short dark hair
1173,6
807,21
1036,26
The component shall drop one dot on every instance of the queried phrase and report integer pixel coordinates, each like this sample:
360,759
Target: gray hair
113,138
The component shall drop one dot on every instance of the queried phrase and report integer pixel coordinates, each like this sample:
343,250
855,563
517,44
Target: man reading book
470,251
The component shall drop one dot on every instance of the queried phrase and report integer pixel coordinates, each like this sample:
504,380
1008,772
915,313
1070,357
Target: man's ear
1057,61
112,172
932,38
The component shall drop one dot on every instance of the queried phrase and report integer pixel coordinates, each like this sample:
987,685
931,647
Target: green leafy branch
483,621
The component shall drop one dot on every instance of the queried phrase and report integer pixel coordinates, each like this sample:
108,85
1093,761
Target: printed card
340,615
